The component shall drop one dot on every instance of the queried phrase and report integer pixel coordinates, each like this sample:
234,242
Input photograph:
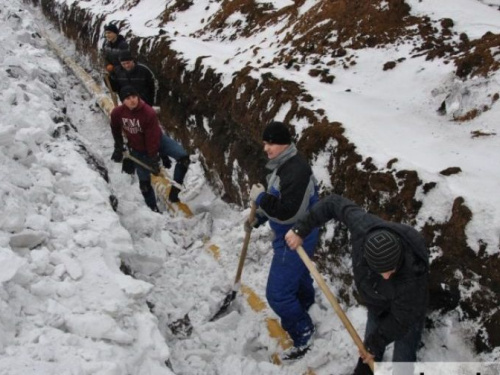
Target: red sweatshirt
140,126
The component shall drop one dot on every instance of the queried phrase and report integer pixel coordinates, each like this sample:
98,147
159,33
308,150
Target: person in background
391,271
291,191
113,46
138,75
146,141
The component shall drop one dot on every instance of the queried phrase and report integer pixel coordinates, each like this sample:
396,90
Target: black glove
167,163
362,368
117,154
128,166
375,345
155,166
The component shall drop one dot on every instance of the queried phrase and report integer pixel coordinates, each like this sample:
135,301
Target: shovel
232,295
149,168
333,301
112,93
162,185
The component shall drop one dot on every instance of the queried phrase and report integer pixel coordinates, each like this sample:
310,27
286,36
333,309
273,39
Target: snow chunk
98,326
10,263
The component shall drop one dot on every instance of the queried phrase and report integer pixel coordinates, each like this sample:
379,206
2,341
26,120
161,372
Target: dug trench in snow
181,327
197,95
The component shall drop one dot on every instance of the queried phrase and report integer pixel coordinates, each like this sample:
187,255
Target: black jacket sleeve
331,207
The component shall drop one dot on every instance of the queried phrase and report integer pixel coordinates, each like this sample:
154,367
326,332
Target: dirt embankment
192,98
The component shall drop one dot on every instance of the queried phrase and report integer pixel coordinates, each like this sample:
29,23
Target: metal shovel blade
232,295
225,306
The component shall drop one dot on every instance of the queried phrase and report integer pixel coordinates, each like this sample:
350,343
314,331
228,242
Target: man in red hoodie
146,141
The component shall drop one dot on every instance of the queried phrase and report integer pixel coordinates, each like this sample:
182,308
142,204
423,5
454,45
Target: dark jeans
168,148
405,349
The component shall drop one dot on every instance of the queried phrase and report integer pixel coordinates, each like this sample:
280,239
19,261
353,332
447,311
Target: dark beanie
126,56
111,27
126,91
277,133
382,250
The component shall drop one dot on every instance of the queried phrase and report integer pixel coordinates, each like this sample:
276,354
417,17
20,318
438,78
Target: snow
65,305
485,17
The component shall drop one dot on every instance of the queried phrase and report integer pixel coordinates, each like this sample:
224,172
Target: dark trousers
168,148
405,349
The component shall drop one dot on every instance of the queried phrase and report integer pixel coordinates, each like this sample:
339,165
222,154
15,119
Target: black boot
174,194
295,353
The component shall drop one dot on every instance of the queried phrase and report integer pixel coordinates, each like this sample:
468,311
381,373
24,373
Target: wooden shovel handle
112,93
246,241
137,161
333,301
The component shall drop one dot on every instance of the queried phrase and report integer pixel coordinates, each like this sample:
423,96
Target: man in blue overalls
291,191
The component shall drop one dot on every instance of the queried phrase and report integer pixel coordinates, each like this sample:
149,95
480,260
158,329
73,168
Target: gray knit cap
382,250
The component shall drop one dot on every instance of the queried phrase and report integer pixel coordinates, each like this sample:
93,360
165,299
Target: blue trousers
290,290
168,148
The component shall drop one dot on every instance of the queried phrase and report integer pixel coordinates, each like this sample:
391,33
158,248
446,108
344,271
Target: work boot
295,353
174,194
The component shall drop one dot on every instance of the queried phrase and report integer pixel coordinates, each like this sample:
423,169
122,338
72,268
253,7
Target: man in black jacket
113,46
137,75
391,268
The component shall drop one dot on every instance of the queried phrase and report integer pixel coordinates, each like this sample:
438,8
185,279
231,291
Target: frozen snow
65,305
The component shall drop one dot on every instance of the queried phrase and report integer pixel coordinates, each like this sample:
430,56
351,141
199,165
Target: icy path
171,253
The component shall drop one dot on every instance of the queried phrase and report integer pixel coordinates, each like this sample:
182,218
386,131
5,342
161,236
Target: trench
195,96
181,327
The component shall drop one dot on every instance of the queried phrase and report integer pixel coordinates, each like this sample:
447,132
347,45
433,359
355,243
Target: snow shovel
149,168
333,301
111,92
232,295
162,185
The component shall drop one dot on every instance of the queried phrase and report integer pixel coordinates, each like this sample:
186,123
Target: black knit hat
126,56
277,133
111,27
382,250
126,91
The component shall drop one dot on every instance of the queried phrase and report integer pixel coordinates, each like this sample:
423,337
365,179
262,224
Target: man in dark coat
291,191
146,141
132,73
391,269
113,46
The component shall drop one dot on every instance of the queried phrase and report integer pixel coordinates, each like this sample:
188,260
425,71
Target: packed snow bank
65,306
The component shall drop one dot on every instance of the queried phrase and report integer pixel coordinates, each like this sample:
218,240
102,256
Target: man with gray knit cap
391,269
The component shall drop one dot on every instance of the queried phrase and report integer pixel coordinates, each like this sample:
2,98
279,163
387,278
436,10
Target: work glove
128,166
167,163
117,155
255,191
249,225
155,166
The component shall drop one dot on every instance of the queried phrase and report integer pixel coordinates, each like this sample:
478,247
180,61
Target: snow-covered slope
66,307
